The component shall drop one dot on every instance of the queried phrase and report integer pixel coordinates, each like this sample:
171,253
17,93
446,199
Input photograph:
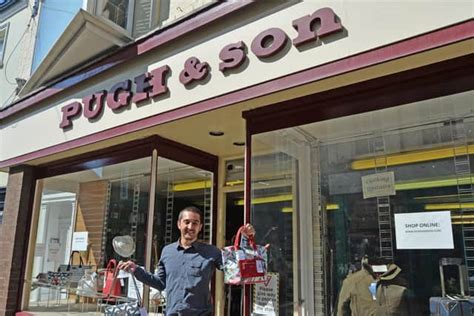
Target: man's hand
128,266
248,231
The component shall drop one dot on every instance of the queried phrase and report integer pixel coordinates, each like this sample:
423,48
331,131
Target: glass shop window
367,208
83,212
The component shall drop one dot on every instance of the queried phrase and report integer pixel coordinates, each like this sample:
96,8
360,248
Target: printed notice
80,240
132,290
265,300
378,184
427,230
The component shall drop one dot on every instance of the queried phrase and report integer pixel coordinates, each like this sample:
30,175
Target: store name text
153,84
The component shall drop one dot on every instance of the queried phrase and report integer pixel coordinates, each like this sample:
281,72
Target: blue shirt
185,273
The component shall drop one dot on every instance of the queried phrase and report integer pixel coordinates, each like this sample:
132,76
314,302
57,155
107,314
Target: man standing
185,268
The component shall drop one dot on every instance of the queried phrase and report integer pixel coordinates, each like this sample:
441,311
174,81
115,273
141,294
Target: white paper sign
80,241
378,184
427,230
132,291
266,297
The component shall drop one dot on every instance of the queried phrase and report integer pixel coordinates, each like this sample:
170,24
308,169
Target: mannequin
377,289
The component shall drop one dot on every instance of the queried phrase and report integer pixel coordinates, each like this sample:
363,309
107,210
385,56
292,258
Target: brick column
14,233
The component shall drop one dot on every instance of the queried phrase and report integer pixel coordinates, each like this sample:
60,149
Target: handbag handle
250,239
139,297
71,258
111,265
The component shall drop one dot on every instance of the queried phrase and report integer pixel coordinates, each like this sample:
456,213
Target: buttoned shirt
185,274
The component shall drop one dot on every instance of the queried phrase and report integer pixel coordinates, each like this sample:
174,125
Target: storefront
341,133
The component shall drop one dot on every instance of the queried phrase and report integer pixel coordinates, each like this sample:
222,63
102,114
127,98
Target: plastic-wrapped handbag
134,308
87,285
244,262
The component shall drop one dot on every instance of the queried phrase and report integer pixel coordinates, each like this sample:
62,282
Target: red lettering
97,100
307,30
269,42
120,95
232,56
151,84
70,111
158,81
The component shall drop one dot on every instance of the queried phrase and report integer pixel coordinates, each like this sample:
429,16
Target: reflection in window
429,147
106,202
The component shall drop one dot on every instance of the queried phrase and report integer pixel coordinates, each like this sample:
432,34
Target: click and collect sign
427,230
378,184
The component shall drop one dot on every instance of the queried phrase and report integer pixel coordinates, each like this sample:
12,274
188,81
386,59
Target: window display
390,189
79,216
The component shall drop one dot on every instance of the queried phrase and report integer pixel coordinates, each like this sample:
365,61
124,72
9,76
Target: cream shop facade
342,130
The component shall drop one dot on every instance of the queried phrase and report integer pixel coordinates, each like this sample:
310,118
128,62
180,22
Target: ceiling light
435,183
238,143
216,133
448,206
410,157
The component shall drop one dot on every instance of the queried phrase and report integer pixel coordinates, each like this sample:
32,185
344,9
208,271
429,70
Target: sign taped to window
266,296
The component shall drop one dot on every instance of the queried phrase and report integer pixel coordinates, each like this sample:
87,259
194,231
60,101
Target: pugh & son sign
151,84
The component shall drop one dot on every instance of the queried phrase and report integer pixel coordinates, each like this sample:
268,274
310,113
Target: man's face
189,225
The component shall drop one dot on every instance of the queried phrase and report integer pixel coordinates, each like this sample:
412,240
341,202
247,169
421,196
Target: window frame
130,14
12,8
3,29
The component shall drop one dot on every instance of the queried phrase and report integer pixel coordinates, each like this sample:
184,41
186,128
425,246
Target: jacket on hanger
355,298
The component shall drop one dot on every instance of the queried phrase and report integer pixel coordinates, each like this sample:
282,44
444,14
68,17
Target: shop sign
427,230
265,299
79,241
378,184
153,84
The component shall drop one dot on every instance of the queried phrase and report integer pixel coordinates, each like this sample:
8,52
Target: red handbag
111,287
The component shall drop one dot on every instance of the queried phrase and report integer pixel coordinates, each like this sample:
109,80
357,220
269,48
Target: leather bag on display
111,287
76,270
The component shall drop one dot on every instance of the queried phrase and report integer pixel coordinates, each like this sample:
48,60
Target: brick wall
14,232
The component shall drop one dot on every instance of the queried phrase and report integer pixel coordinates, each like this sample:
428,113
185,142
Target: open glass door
178,185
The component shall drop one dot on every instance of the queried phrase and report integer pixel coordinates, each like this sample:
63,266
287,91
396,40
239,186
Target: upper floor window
118,11
3,40
5,3
10,7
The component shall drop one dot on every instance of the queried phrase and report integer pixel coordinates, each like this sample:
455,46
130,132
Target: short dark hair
192,209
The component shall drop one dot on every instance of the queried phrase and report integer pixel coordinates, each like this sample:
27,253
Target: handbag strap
237,241
71,258
139,299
